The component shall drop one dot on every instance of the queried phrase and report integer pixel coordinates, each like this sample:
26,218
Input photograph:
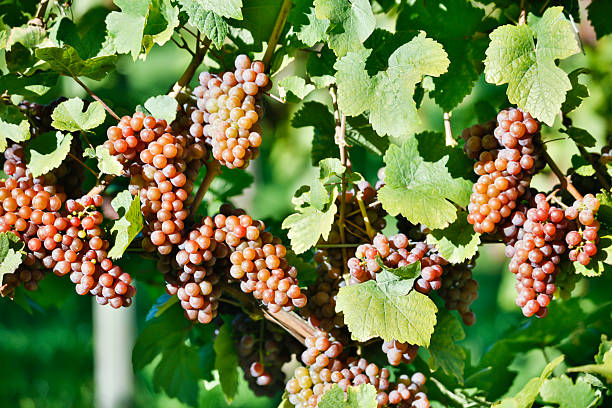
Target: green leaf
319,67
30,36
350,23
604,368
363,396
163,18
161,305
19,58
304,23
580,136
66,61
31,86
484,111
388,308
226,361
69,115
535,83
563,391
389,95
443,350
308,225
107,163
178,374
10,262
126,27
527,395
208,22
228,8
16,133
599,13
318,116
457,242
43,163
162,107
574,97
294,88
359,132
581,166
423,191
128,225
230,183
10,255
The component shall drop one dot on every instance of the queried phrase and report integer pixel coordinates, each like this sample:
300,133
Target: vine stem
448,131
93,95
196,60
336,245
523,16
369,230
276,31
589,157
213,168
565,181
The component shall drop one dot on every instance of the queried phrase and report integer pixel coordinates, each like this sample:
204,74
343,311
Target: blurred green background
46,354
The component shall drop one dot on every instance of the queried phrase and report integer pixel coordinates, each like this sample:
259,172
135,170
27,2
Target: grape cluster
479,138
395,253
459,290
162,168
398,352
504,173
583,241
263,351
67,242
327,365
229,111
536,254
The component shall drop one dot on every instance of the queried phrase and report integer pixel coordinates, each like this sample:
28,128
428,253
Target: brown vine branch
565,181
450,140
196,60
213,168
93,95
276,31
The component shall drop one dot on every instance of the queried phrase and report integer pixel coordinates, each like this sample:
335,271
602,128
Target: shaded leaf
443,350
66,61
226,361
43,163
128,225
162,107
69,115
457,242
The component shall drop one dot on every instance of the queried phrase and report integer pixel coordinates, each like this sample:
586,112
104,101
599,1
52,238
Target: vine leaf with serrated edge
443,351
574,96
423,191
107,163
128,225
567,394
10,253
162,107
389,95
40,164
208,22
226,361
66,61
457,242
535,83
389,308
16,133
527,395
363,396
69,115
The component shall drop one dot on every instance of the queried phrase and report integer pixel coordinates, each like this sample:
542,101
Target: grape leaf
294,88
30,36
126,27
359,132
581,166
107,163
162,107
128,225
319,67
178,374
66,61
308,225
227,8
162,304
29,86
163,18
230,183
580,136
574,96
19,58
258,20
88,35
484,111
16,133
604,368
527,395
457,242
41,163
389,95
460,21
304,23
69,115
388,308
226,361
604,346
443,351
363,396
209,23
350,23
318,116
562,391
10,255
599,14
535,83
422,190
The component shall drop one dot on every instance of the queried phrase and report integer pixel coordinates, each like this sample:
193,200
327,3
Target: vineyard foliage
427,212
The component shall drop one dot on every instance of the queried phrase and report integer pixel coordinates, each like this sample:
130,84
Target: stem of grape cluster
450,140
369,230
565,181
523,15
93,95
196,60
213,168
276,31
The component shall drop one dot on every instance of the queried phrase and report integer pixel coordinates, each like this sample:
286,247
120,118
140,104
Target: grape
459,290
229,111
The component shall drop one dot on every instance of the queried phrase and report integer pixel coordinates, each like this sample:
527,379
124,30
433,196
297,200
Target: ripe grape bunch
479,138
229,111
583,241
459,290
67,241
162,168
505,173
326,365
